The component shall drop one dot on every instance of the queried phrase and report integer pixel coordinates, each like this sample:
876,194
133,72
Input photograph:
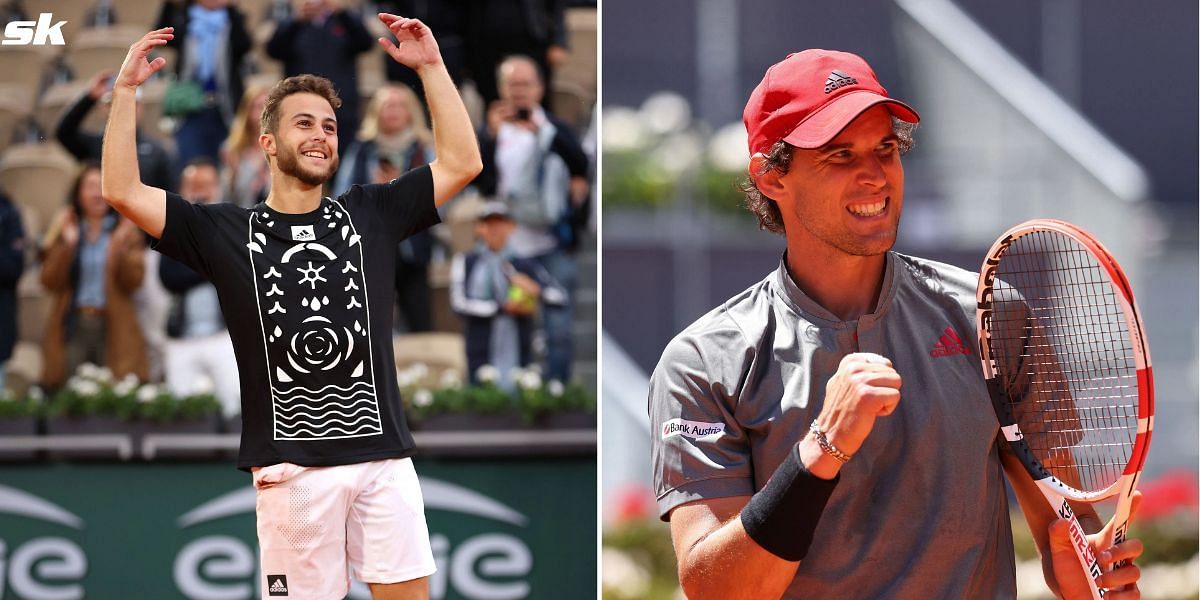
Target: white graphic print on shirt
313,309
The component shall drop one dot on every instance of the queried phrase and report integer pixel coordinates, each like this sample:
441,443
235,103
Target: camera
524,114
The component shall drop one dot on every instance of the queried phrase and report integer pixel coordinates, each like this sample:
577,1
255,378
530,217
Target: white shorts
313,521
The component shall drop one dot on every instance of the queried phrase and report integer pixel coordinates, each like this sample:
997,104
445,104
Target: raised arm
458,160
120,179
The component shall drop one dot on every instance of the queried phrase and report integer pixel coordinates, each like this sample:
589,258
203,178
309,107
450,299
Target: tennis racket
1067,368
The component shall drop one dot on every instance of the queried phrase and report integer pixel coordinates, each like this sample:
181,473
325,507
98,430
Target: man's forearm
119,174
727,564
453,137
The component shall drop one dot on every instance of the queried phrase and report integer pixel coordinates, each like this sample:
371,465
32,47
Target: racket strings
1061,345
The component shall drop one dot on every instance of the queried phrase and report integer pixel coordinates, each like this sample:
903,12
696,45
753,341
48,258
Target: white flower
528,380
147,393
555,387
420,370
487,374
84,387
406,377
127,385
450,379
75,382
423,397
104,375
37,394
87,370
203,385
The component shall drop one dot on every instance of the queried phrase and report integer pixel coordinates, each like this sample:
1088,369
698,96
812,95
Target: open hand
415,47
1121,582
137,69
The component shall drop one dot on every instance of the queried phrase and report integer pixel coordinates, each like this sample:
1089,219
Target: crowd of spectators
110,300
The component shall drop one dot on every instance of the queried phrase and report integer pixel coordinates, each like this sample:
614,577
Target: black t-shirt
308,302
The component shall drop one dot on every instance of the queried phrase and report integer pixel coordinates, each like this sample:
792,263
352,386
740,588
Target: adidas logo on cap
278,585
838,79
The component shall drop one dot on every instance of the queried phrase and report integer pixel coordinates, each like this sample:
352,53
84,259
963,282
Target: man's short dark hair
779,158
299,84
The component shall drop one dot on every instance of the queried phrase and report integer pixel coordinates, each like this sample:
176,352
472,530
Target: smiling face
845,196
305,144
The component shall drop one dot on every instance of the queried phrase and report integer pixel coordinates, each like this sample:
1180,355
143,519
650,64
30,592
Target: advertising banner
500,529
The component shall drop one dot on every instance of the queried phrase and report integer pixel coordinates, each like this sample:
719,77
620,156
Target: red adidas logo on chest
948,344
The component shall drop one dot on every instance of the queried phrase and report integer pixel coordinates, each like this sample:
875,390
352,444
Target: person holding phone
533,162
158,162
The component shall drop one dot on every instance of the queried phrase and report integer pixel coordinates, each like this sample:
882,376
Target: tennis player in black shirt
297,277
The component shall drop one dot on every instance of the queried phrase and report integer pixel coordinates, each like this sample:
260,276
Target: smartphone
524,114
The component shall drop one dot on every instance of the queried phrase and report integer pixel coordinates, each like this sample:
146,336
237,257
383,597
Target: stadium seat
580,67
71,11
16,101
38,178
255,11
571,103
95,49
33,305
137,13
25,66
56,100
460,222
438,351
24,369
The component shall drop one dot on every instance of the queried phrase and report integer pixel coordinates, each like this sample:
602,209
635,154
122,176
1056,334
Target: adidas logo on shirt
949,344
303,233
278,585
838,79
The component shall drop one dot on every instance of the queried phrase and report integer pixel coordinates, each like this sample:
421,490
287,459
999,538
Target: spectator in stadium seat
449,19
212,40
497,29
92,264
12,263
324,38
497,294
394,139
199,345
246,179
534,164
156,160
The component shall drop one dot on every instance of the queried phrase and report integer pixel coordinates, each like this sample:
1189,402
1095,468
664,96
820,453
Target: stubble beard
289,164
851,244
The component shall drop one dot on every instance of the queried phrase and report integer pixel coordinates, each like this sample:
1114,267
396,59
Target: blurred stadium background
122,510
1081,110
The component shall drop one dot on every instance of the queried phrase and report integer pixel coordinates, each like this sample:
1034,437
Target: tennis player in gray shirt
783,456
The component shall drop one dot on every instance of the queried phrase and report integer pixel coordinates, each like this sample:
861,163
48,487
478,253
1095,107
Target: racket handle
1083,550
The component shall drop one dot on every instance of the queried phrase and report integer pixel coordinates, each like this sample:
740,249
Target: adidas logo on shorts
278,585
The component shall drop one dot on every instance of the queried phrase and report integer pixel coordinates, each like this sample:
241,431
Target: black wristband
782,516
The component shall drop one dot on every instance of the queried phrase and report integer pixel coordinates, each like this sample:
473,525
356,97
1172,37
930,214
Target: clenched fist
864,388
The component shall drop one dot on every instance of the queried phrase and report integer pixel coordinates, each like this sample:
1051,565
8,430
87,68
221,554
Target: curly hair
299,84
779,158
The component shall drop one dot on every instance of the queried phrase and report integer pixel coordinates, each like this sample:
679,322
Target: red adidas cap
809,97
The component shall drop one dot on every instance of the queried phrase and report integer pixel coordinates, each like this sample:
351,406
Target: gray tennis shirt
921,509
